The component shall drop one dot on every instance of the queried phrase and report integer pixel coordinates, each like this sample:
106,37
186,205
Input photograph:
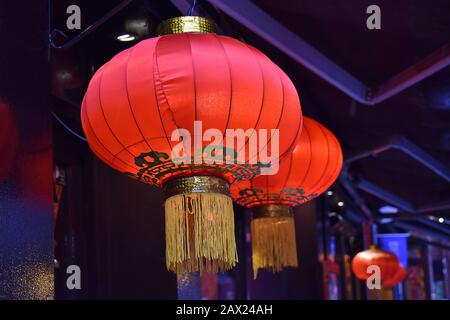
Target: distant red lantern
9,139
141,96
399,276
313,166
385,260
35,169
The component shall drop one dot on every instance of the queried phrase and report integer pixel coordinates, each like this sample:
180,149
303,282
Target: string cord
191,9
65,126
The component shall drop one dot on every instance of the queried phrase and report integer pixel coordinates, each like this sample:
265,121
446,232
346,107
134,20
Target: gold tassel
273,241
200,232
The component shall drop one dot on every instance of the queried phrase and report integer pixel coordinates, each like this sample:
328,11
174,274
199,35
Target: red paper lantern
307,172
312,167
398,277
141,96
9,138
137,99
385,260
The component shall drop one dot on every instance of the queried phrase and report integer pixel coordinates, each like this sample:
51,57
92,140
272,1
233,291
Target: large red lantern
8,139
385,260
137,100
313,166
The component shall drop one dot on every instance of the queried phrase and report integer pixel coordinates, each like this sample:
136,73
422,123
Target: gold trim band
196,184
186,24
272,211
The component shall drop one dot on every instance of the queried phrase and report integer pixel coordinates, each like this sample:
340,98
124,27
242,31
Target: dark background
26,222
113,227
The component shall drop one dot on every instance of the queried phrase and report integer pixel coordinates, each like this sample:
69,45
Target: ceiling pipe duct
385,195
445,205
346,183
262,24
395,200
419,232
406,146
403,144
423,69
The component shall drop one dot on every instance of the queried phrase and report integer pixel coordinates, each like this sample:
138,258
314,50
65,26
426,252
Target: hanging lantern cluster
169,84
391,271
307,172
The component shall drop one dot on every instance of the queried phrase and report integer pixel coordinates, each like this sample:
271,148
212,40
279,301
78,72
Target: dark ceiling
411,30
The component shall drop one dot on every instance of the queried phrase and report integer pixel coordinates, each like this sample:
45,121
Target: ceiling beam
255,19
262,24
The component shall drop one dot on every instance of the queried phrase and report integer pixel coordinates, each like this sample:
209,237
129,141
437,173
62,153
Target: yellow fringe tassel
273,243
200,233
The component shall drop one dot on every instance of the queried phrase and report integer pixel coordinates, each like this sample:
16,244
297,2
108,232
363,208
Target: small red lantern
385,260
137,100
34,169
313,166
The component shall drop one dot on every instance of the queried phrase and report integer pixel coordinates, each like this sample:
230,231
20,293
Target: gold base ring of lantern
273,238
199,225
186,24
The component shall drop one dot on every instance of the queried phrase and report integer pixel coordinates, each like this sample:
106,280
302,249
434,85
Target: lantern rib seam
156,72
129,101
333,175
310,157
231,87
101,143
281,114
104,116
195,88
262,98
193,77
326,166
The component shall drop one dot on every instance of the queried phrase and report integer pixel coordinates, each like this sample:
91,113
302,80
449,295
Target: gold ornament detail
186,24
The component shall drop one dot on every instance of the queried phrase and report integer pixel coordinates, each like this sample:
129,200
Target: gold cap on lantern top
186,24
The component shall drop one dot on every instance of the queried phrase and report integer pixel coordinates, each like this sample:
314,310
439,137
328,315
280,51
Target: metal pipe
403,144
417,231
344,180
89,29
385,195
406,146
428,66
418,154
434,207
255,19
434,225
